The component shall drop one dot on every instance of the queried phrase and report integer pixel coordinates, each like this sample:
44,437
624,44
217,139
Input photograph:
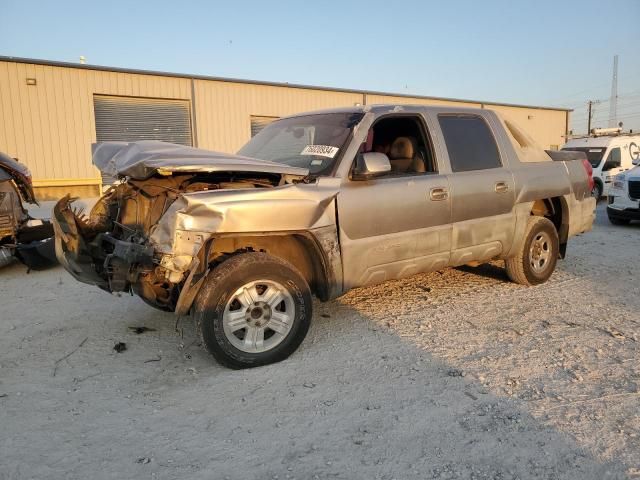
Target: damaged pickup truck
317,204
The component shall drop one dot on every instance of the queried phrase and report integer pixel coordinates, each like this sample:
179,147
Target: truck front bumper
99,258
623,214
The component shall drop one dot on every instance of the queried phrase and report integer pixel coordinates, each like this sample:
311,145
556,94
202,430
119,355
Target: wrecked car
28,239
315,205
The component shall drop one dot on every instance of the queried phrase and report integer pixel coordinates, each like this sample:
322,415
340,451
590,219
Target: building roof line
55,63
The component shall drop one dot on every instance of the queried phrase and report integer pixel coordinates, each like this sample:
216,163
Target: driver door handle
438,194
502,187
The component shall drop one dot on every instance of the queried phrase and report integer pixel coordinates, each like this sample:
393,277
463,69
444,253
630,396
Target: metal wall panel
224,108
547,127
50,126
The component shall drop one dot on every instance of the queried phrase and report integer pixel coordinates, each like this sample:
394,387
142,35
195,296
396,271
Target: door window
470,143
614,159
402,139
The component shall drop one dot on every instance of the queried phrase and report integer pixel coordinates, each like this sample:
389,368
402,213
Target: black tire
520,268
619,221
596,191
219,288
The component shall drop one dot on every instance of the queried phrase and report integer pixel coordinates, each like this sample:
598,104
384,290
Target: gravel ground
454,374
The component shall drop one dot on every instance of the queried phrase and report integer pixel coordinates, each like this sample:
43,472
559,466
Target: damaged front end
113,247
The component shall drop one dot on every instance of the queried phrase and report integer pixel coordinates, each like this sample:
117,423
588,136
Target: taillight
589,169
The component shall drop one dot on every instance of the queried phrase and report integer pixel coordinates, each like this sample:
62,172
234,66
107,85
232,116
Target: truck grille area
634,189
6,221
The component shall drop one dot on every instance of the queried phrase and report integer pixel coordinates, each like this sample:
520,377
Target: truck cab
610,152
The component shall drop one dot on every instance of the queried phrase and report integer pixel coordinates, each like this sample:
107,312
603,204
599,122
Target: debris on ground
139,330
55,366
120,347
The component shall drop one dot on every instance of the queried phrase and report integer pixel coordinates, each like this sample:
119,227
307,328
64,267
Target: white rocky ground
454,374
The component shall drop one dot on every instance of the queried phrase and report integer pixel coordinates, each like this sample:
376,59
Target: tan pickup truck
317,204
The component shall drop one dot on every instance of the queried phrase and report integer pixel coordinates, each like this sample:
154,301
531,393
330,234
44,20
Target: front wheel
536,260
254,309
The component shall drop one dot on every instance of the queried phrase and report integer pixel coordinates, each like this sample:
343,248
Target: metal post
589,119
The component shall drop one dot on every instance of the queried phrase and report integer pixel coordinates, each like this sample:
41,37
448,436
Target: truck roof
389,108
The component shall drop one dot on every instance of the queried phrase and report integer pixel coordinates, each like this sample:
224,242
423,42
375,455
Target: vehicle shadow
495,270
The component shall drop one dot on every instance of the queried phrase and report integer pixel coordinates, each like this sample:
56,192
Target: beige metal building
51,113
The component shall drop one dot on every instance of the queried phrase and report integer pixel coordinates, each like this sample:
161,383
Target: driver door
394,226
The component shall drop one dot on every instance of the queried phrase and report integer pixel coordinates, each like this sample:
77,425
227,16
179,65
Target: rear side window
470,143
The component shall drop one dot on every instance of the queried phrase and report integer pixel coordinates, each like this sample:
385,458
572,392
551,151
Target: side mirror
371,164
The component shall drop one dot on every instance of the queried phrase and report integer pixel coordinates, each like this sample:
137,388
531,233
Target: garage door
130,119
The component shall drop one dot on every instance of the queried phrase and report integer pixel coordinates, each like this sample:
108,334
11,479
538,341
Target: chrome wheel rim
540,252
258,316
595,191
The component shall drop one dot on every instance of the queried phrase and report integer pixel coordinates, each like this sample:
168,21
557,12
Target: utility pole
590,104
613,105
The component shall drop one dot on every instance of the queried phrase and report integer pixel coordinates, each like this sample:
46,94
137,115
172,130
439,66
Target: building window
259,122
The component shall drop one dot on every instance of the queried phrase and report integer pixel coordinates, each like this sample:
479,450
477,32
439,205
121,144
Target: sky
554,53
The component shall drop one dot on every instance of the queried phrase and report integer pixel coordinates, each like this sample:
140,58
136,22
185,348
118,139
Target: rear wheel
254,309
596,191
536,260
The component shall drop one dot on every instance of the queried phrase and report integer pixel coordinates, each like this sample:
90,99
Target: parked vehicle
624,196
317,204
29,240
610,152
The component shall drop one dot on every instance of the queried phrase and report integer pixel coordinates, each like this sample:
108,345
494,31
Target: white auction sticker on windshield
320,150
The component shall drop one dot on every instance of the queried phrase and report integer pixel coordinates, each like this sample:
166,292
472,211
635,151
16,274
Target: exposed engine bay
115,237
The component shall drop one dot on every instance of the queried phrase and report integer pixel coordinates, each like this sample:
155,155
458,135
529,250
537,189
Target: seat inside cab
402,139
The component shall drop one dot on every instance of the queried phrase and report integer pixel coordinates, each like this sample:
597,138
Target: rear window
470,143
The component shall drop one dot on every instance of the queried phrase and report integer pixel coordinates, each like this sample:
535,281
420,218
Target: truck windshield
594,154
315,142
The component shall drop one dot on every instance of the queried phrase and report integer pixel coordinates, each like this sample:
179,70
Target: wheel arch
555,209
315,254
301,249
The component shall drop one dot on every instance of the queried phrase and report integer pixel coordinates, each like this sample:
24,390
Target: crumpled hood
140,160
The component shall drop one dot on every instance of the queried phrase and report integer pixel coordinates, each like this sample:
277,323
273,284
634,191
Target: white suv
624,197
